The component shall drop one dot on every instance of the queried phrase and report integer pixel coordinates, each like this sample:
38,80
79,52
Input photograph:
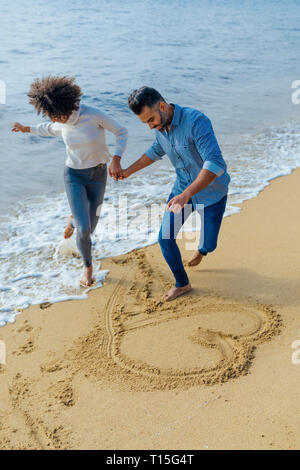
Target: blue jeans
85,191
170,227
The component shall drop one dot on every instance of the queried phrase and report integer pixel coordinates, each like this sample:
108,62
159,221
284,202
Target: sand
210,370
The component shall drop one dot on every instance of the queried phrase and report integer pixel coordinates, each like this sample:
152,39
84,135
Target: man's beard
164,121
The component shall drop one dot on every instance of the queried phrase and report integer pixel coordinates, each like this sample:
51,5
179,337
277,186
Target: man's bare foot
177,291
87,279
69,230
195,259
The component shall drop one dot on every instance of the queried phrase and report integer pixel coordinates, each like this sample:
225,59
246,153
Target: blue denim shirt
191,145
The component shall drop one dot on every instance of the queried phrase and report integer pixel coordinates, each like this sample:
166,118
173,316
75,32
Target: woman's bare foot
87,279
177,291
195,259
69,230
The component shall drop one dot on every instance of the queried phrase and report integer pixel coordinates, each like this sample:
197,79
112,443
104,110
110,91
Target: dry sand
210,370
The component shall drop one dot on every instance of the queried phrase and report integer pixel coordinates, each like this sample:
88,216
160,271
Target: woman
83,131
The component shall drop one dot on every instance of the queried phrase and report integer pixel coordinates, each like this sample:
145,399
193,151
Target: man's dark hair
144,96
55,97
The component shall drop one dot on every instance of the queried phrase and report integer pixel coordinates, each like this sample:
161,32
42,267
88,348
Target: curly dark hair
55,97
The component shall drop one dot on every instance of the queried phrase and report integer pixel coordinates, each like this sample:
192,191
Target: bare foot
195,259
177,291
69,230
87,279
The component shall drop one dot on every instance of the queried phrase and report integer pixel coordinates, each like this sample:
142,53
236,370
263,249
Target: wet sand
210,370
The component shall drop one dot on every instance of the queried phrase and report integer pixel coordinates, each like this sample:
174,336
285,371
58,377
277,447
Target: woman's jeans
170,227
85,191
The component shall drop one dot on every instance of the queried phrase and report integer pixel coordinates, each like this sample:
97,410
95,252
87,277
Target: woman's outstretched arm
17,127
45,129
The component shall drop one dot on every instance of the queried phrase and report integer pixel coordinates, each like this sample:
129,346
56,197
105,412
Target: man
187,137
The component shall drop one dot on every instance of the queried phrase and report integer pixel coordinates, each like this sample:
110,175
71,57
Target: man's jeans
171,225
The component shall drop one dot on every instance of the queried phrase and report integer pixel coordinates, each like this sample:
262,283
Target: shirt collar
74,117
176,115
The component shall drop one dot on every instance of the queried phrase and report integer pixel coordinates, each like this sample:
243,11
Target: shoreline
222,376
232,207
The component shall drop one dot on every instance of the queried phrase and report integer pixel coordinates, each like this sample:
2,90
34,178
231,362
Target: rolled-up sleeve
46,129
207,145
155,152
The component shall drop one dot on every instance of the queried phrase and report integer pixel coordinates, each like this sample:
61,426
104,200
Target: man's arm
155,152
204,178
138,165
207,146
214,164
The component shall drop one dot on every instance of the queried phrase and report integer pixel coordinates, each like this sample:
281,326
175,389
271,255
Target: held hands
177,203
17,127
116,171
125,174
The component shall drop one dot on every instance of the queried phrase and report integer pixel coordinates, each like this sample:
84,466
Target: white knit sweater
84,136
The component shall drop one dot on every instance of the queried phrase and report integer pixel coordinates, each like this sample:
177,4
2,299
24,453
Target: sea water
235,61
